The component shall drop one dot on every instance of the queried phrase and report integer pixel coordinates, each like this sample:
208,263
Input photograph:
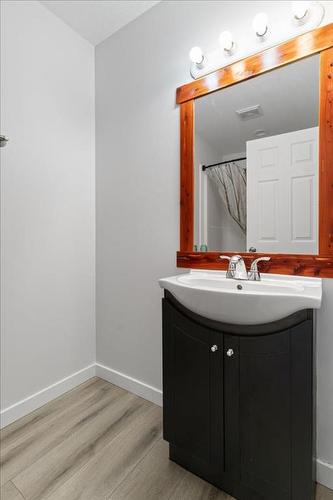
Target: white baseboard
130,384
31,403
325,473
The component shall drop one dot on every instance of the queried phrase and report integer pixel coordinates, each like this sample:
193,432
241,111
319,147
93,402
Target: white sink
212,295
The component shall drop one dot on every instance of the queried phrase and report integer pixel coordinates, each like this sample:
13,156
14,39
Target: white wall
48,325
137,72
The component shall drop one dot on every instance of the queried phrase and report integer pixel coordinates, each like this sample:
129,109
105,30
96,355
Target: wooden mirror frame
317,41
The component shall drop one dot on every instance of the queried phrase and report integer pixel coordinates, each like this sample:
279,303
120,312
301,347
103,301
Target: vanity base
239,403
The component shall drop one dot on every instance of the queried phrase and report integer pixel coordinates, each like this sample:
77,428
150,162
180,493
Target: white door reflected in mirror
282,192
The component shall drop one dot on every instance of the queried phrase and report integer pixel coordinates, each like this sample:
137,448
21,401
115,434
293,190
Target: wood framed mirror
293,140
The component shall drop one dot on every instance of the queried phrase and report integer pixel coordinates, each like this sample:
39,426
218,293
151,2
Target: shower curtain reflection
230,180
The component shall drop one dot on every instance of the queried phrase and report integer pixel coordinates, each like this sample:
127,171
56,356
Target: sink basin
212,295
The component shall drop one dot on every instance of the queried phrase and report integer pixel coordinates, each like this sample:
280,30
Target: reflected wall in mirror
256,163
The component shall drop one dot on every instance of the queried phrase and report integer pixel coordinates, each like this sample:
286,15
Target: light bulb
260,24
300,9
226,41
196,56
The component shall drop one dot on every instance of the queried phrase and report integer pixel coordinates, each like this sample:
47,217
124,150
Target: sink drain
239,287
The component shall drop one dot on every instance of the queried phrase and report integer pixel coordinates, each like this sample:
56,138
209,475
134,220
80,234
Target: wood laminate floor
97,442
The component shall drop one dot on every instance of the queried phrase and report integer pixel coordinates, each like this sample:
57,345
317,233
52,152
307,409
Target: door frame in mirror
318,41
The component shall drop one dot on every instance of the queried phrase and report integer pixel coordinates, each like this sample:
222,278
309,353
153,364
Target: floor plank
55,467
323,493
105,472
19,450
192,487
10,492
156,477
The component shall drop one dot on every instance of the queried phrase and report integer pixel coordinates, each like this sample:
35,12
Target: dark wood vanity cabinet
238,402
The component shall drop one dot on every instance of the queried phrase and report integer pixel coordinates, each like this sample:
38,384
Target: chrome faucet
237,269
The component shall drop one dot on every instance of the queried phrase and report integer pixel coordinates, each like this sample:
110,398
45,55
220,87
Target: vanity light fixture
197,57
226,41
260,24
300,10
304,17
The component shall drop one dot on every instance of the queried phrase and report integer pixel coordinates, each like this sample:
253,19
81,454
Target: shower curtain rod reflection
204,167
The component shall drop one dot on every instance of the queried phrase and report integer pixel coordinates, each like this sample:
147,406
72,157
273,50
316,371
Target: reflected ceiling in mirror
256,163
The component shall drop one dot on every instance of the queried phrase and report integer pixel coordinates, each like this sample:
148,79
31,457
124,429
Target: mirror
256,163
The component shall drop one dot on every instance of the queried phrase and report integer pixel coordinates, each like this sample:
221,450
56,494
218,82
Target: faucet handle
254,274
230,266
225,257
259,259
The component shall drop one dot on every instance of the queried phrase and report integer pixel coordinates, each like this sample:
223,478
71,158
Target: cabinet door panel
265,413
192,387
258,376
191,393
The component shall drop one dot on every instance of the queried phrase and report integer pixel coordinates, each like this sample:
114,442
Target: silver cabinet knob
230,352
214,348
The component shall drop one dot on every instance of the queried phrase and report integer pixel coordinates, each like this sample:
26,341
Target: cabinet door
258,380
192,389
268,421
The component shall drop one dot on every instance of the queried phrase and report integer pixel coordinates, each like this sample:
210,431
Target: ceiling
288,99
96,20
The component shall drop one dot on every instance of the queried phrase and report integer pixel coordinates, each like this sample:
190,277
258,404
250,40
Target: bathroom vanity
256,186
238,400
